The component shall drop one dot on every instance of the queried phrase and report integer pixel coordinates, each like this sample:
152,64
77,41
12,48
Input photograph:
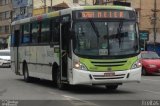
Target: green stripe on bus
53,14
103,65
104,7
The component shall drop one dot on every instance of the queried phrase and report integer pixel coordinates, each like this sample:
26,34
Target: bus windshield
105,38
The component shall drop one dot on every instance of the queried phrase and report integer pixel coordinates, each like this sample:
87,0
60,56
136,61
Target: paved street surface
13,88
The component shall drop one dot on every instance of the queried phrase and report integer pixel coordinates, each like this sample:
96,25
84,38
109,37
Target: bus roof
68,11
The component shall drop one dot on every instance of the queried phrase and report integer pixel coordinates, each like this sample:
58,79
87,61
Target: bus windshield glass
105,38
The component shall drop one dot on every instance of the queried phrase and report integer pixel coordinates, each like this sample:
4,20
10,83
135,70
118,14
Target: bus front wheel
59,83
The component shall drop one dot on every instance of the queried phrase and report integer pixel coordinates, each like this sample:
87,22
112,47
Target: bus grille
102,77
109,63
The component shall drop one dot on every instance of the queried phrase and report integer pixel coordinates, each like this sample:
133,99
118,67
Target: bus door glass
15,47
64,45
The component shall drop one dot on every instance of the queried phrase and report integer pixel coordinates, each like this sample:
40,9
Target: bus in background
95,45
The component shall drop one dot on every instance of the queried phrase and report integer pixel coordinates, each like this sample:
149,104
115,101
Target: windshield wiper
119,32
94,28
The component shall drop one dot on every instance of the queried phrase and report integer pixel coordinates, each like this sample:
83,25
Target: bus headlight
79,66
137,64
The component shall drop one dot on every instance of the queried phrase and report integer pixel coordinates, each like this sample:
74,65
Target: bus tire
111,87
59,83
26,73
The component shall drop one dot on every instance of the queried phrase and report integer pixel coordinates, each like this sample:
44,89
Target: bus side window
16,35
45,31
16,38
36,29
21,34
12,37
55,32
25,33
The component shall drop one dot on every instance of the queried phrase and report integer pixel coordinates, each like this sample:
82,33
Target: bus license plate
109,74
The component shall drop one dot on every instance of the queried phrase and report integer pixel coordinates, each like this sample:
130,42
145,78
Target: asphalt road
42,93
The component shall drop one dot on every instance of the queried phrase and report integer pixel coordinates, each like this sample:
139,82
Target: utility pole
154,18
45,5
51,5
85,2
97,2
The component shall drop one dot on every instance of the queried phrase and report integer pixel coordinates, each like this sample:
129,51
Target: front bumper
5,64
87,77
154,71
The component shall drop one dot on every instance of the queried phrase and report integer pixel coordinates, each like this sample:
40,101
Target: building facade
147,18
5,21
43,6
21,9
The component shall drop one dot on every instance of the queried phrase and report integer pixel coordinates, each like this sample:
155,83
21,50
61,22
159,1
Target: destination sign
116,14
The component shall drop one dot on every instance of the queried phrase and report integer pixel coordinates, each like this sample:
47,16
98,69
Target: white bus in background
79,45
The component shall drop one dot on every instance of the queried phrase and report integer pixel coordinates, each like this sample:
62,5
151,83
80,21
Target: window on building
4,2
2,29
75,1
7,1
45,32
1,16
4,15
7,29
7,15
22,10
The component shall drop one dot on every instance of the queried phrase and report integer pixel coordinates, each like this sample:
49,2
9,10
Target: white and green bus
93,45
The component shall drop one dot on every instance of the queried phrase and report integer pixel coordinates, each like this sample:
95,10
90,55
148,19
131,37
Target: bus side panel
32,63
40,60
13,61
24,55
14,49
45,56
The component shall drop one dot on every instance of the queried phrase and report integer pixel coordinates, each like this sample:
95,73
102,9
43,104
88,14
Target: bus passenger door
64,49
15,49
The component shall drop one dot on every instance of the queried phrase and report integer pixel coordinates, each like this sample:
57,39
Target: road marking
2,91
78,102
152,92
53,93
151,80
70,97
